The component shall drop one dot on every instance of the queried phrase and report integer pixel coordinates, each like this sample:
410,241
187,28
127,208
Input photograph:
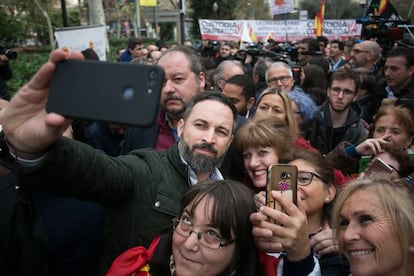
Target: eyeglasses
357,51
305,178
283,80
338,90
208,239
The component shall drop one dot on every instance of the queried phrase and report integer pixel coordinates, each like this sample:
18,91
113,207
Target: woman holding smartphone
264,142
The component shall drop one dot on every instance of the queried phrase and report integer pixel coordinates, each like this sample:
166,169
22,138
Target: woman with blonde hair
275,101
374,222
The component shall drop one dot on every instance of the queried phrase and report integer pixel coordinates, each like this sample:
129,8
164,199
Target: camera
211,49
8,53
284,175
386,31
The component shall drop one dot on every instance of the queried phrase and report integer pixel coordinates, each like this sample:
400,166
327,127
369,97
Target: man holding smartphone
142,190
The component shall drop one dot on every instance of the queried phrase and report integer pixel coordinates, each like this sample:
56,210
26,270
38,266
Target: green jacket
141,191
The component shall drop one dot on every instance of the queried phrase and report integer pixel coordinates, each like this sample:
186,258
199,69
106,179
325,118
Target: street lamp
251,11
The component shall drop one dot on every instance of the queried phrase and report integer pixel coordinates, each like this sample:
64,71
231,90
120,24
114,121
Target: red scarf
134,261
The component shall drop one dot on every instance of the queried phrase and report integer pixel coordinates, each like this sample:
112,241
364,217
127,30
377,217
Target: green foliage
334,9
24,67
29,61
10,30
57,22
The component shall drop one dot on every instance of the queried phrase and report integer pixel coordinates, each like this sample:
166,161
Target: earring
411,248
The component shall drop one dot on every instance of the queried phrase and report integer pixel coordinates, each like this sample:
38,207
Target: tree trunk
97,17
49,23
96,13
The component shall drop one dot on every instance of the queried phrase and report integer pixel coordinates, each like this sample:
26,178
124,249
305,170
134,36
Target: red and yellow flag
382,6
318,24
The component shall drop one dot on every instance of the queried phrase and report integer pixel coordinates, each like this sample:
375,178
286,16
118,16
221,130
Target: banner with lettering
291,30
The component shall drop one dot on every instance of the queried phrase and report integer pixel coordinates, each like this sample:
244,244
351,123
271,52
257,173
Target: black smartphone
121,93
283,179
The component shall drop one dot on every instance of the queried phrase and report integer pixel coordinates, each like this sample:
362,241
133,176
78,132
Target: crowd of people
185,196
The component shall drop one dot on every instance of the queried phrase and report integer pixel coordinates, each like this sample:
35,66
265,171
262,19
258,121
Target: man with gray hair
280,75
226,70
259,75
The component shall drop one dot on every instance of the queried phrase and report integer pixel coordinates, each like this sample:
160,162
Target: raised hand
289,234
27,126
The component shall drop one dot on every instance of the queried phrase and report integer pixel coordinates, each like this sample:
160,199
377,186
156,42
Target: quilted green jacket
141,191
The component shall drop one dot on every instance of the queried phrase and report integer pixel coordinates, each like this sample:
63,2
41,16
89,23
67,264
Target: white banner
292,30
81,38
281,6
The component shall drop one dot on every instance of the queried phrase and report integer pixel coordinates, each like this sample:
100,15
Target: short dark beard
199,163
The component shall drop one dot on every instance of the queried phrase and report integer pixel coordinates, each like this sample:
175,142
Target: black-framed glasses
208,239
283,79
305,178
338,90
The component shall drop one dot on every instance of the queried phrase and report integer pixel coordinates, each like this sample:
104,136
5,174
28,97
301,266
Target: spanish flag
318,24
382,8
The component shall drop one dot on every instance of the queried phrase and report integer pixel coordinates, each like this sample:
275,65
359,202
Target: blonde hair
287,104
397,200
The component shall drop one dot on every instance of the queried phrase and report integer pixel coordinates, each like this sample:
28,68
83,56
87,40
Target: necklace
172,265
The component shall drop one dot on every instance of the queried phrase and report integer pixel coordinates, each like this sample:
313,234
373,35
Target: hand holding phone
283,179
378,166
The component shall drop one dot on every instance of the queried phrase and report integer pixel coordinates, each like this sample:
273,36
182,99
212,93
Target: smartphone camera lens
285,175
128,94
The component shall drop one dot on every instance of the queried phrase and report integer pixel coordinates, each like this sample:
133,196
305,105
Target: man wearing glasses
366,54
339,118
280,75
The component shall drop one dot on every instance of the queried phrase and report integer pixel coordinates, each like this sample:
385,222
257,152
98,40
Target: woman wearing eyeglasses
315,194
212,235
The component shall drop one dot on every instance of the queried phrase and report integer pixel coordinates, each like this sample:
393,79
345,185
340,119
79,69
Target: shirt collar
214,175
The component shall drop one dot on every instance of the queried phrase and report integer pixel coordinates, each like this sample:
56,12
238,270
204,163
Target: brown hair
268,131
323,168
403,116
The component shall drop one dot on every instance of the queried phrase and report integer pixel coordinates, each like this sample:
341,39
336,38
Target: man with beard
184,78
141,191
339,118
